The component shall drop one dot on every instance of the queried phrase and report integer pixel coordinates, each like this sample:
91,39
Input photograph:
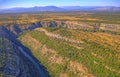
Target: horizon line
55,6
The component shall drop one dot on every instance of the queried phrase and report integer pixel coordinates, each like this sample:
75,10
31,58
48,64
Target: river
41,70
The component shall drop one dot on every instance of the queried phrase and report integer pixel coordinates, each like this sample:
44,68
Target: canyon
18,61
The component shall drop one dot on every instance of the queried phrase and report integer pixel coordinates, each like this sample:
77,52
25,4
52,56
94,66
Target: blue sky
31,3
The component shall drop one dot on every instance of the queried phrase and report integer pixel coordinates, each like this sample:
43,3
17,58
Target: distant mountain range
58,9
92,8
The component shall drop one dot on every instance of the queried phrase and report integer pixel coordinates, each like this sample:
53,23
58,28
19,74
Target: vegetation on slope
2,57
98,56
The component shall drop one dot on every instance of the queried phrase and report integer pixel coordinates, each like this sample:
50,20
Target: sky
31,3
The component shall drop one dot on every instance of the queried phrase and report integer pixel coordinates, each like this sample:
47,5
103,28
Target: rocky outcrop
17,29
112,27
57,36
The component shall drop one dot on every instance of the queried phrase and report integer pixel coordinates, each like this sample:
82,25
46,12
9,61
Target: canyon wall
16,29
15,59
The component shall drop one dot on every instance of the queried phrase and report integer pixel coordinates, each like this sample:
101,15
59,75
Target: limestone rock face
17,29
112,27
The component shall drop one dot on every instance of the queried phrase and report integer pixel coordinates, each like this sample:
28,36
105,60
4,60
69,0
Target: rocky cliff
15,59
16,29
